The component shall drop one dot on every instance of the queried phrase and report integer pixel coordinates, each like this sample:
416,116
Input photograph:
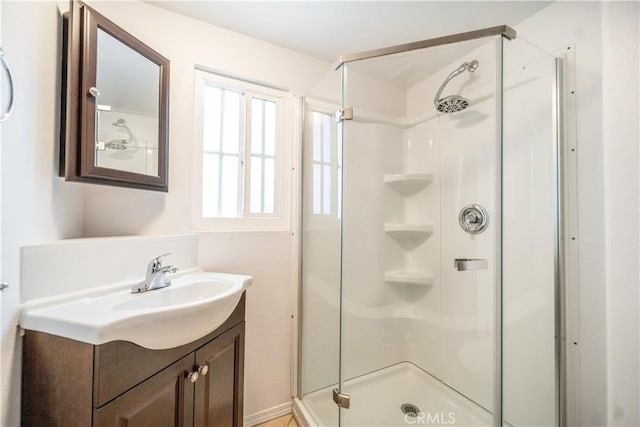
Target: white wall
269,258
36,204
74,265
621,136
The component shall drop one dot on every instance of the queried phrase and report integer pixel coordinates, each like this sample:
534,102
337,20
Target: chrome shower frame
500,30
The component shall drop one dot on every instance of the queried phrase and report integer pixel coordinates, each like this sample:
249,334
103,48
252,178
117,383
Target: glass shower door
420,237
530,238
320,296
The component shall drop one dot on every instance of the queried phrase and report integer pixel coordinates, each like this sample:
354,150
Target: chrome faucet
156,276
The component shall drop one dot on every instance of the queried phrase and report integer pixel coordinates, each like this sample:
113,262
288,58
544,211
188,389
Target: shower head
122,123
454,103
117,144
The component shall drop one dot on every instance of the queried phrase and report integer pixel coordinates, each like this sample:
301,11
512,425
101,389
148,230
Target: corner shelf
408,277
401,229
408,183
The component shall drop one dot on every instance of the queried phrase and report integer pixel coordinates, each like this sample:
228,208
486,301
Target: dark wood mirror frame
78,110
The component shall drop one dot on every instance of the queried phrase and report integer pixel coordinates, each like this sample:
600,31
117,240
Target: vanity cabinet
70,383
165,399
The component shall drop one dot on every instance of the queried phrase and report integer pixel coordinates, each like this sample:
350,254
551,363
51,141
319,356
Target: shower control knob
473,219
192,376
203,370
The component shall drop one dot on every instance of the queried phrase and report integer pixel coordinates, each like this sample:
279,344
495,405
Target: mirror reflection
127,113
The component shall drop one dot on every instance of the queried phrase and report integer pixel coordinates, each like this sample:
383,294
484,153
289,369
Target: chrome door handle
470,264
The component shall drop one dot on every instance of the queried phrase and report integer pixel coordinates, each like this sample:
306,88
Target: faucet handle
156,263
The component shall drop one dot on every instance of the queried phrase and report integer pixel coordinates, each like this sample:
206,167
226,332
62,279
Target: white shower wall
423,345
373,317
455,340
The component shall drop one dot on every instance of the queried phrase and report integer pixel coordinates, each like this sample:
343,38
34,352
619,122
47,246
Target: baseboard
267,414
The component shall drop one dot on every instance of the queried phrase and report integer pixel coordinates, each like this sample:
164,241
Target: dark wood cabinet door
218,394
164,400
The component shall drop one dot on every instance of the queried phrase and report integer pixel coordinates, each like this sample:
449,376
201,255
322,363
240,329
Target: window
221,162
326,161
263,152
322,163
243,164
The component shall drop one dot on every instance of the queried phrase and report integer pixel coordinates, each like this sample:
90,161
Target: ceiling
329,29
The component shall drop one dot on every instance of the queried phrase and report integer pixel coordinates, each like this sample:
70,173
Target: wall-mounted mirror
116,104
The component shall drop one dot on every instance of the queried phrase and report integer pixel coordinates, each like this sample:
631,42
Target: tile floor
284,421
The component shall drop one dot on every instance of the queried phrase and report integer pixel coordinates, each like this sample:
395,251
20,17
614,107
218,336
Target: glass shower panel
530,237
418,292
469,142
320,287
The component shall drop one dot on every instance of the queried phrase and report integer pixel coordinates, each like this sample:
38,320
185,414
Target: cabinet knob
93,91
203,370
192,376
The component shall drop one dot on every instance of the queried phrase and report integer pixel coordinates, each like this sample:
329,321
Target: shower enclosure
430,288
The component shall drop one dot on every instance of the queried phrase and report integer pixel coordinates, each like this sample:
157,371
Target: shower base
377,398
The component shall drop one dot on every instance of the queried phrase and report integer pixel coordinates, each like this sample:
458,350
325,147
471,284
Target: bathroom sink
202,289
194,305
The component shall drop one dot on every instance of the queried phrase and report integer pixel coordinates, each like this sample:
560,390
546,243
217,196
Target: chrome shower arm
122,123
129,132
471,66
451,75
444,83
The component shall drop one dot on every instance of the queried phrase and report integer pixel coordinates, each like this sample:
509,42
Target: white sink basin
194,305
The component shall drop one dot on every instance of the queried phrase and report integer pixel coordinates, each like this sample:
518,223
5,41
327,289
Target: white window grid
239,155
262,156
280,218
329,163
